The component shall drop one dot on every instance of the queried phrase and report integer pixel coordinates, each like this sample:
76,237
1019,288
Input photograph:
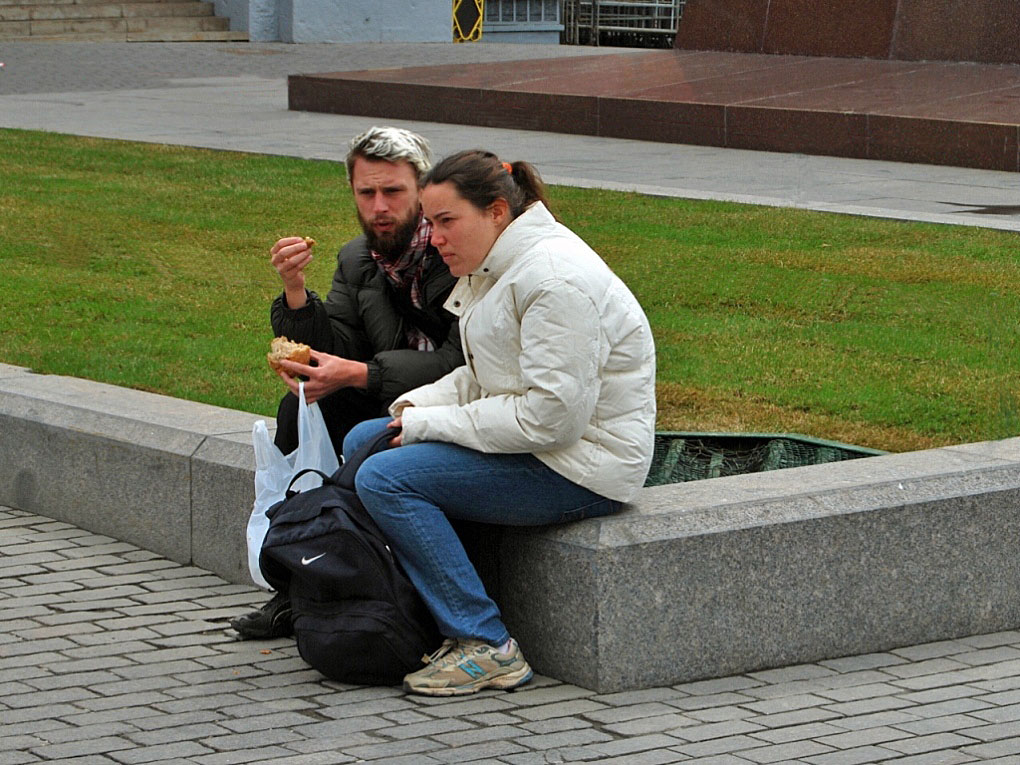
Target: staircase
106,21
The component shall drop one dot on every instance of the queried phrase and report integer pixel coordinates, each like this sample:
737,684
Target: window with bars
522,11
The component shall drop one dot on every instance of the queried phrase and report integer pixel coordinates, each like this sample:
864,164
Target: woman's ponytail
482,178
530,183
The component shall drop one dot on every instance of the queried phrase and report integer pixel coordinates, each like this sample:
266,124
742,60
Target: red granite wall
958,30
913,30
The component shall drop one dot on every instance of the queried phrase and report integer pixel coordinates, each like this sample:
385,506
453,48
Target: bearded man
382,329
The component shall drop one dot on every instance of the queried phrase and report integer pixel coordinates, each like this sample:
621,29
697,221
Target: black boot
273,620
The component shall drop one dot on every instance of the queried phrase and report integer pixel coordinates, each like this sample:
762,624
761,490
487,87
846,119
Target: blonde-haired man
382,329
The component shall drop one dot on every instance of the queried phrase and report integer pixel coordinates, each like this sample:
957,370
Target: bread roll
281,348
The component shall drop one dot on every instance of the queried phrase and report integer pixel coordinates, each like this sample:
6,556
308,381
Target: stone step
76,3
119,27
104,11
170,35
104,20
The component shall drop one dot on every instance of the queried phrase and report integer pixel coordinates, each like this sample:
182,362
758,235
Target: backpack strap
345,475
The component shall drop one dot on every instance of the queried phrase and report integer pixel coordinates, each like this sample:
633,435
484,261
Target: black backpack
357,617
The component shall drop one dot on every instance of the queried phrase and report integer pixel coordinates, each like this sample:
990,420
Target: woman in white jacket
551,418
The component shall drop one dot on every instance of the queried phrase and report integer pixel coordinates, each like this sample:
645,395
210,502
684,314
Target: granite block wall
914,30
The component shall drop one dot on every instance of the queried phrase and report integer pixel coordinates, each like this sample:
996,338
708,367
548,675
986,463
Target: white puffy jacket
559,362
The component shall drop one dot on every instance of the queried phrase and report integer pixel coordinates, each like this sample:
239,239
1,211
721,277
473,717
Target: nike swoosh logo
306,561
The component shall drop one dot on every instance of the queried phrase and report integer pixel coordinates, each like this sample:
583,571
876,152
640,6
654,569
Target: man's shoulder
355,250
354,263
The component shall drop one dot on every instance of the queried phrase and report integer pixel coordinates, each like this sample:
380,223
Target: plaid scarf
405,274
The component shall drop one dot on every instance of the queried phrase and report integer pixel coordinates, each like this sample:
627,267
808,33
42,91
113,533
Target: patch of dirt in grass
685,408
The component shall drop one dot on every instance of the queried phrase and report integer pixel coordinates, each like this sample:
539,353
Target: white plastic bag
274,471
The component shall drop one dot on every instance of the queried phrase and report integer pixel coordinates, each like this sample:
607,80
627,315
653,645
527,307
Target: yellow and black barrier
467,20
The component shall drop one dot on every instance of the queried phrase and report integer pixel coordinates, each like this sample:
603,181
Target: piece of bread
281,348
308,240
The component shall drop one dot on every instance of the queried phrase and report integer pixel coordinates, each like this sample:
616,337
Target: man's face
386,194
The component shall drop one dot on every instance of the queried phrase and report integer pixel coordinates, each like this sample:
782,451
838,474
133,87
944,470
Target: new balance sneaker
467,666
274,619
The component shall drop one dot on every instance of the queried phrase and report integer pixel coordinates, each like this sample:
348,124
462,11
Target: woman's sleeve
458,387
560,359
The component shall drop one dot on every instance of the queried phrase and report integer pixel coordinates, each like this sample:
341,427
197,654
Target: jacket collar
524,231
528,228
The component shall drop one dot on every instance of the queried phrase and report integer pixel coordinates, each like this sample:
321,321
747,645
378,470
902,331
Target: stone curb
695,580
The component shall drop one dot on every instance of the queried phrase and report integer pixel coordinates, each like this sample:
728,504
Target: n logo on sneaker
306,561
471,669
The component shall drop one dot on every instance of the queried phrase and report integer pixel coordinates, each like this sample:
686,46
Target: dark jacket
363,319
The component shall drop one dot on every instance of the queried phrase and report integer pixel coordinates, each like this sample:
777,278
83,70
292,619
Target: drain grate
680,456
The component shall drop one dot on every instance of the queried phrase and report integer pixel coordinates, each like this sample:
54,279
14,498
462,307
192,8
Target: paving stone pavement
112,655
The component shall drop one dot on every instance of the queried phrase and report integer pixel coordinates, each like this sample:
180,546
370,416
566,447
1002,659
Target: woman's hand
397,440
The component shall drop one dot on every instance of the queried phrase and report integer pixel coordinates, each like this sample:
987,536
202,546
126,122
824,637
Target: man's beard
392,243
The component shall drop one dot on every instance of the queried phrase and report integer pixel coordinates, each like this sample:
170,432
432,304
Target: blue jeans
413,490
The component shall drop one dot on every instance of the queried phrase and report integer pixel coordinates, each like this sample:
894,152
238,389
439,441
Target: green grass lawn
147,266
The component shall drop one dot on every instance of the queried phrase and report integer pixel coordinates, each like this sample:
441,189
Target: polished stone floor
936,112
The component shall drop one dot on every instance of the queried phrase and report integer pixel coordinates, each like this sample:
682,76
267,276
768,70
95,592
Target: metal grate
680,457
633,22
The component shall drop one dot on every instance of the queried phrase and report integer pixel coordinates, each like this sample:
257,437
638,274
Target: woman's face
461,232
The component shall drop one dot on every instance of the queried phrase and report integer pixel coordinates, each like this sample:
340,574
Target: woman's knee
377,475
397,472
361,433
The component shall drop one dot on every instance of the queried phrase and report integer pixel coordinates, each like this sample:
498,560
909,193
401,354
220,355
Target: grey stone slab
993,640
735,575
222,495
149,408
864,737
846,556
125,463
105,472
951,757
798,732
10,370
999,714
719,746
716,730
859,756
643,725
1001,748
934,742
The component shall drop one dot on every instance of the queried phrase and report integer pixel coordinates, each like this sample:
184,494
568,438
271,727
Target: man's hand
331,374
289,257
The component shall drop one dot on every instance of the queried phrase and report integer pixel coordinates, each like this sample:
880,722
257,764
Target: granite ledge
891,550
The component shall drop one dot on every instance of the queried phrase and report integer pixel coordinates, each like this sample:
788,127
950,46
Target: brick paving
112,655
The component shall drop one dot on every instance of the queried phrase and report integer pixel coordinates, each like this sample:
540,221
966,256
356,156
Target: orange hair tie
508,168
